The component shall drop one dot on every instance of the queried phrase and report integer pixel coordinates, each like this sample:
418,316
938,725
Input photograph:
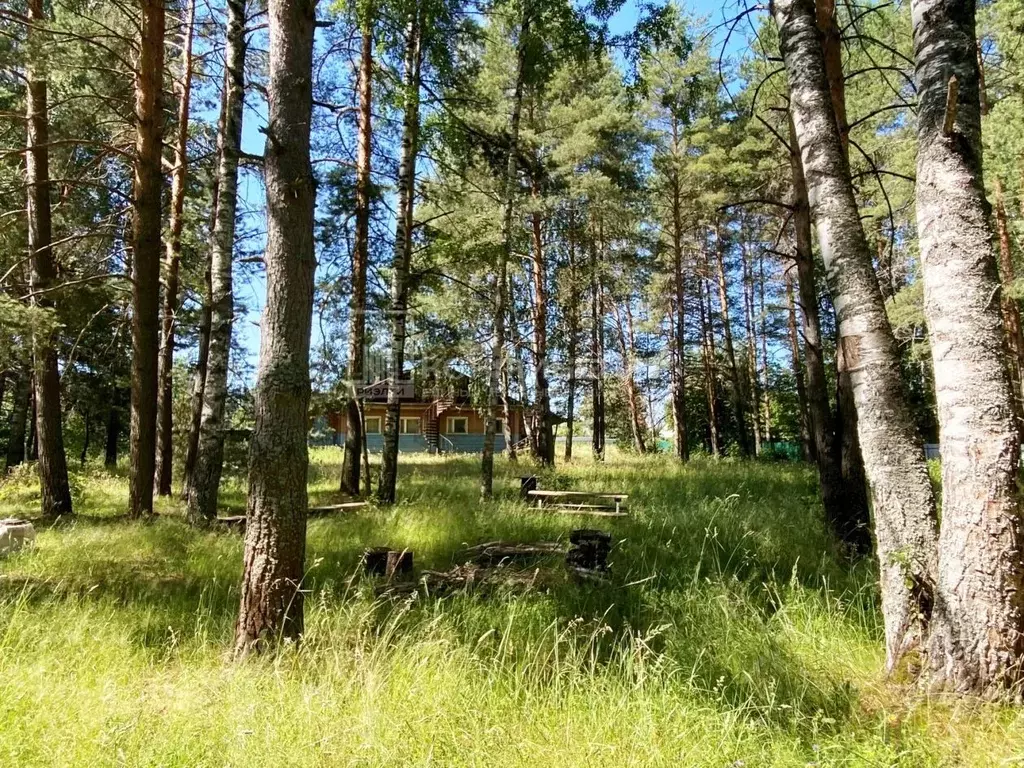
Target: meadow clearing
730,633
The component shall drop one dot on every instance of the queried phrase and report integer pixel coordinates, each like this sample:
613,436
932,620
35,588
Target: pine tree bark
21,395
55,492
545,439
903,503
572,339
271,607
203,355
734,372
360,261
766,390
204,483
145,242
977,640
165,383
626,347
33,434
596,353
198,380
678,320
403,255
511,452
497,368
806,445
708,358
753,376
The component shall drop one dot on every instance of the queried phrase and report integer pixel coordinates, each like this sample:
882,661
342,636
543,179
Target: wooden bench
582,502
330,509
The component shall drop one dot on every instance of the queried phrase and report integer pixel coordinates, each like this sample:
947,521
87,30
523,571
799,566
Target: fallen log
495,552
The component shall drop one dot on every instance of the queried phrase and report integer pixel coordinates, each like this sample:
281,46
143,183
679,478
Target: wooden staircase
431,422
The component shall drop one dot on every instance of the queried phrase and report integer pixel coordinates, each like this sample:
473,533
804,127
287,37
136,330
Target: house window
373,425
411,425
458,425
499,426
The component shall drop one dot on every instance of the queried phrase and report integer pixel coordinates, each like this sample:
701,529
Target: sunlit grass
732,634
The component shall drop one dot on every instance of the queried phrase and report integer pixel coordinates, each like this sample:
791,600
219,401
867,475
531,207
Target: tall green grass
732,633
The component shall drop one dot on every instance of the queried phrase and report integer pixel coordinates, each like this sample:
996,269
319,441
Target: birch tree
976,641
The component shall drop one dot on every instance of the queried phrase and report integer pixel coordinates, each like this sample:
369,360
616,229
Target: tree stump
382,561
16,534
589,549
527,483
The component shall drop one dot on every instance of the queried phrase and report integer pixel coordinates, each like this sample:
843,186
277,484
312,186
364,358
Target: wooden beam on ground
331,508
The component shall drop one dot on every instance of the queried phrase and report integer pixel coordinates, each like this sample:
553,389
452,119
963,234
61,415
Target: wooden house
434,419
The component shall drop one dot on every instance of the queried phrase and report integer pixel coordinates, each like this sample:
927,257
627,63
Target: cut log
590,536
233,522
527,483
589,549
495,552
382,561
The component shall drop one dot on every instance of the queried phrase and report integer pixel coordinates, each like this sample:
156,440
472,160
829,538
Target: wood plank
594,494
328,509
596,511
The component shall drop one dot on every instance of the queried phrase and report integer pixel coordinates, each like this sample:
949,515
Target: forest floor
731,634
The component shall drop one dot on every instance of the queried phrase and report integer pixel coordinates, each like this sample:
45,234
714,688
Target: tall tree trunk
204,487
165,385
977,640
626,346
205,321
53,469
766,391
734,372
113,431
403,255
751,331
846,508
22,394
497,369
572,311
904,506
798,372
33,433
198,380
147,189
271,605
545,439
597,353
678,320
506,379
1013,328
708,349
360,260
847,442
